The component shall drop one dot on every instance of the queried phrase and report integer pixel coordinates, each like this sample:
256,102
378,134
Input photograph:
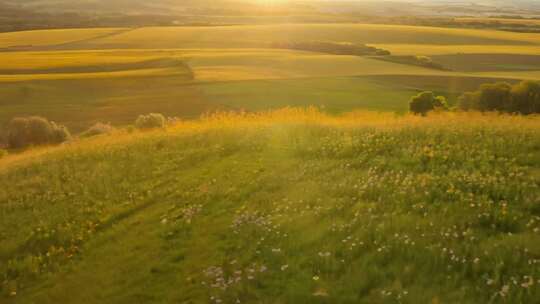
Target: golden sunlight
269,151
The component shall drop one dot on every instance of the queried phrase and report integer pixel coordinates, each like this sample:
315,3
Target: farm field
79,77
288,206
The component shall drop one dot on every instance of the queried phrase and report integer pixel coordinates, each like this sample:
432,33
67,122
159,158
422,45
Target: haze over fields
259,151
186,71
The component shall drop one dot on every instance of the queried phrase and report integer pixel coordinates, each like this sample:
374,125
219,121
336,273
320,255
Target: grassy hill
288,206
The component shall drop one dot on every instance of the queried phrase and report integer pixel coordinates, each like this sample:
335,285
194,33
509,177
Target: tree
526,98
468,101
425,102
494,97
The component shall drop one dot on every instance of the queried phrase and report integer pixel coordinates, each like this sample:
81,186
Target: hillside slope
290,206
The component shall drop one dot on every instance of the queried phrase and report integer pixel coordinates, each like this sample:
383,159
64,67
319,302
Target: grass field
290,206
79,77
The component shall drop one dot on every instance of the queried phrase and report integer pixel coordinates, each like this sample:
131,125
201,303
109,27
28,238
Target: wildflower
529,283
315,278
504,290
320,293
284,267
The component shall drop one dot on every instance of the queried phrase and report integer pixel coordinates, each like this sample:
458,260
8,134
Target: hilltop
288,206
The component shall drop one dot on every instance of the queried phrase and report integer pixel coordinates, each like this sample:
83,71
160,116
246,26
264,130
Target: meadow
287,206
81,76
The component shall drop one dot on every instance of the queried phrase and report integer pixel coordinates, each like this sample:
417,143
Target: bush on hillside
3,153
425,102
98,129
150,121
427,62
59,133
32,131
523,98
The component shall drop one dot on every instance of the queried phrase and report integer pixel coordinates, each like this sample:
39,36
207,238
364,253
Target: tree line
521,98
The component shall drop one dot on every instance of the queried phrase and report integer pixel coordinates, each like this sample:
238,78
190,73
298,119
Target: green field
290,206
79,77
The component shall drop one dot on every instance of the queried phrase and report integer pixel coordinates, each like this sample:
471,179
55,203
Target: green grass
334,94
310,208
79,103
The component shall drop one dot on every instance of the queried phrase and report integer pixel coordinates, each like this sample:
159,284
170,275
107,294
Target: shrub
3,153
17,136
39,131
59,133
27,131
98,129
150,121
425,102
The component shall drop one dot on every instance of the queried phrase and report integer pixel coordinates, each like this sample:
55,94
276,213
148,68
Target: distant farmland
82,76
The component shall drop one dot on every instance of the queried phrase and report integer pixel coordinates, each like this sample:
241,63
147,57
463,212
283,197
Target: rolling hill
81,76
288,206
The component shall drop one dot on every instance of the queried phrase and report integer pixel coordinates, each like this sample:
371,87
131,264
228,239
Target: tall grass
286,206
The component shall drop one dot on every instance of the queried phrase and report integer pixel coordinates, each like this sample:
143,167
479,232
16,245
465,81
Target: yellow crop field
257,35
64,59
207,65
51,37
81,76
